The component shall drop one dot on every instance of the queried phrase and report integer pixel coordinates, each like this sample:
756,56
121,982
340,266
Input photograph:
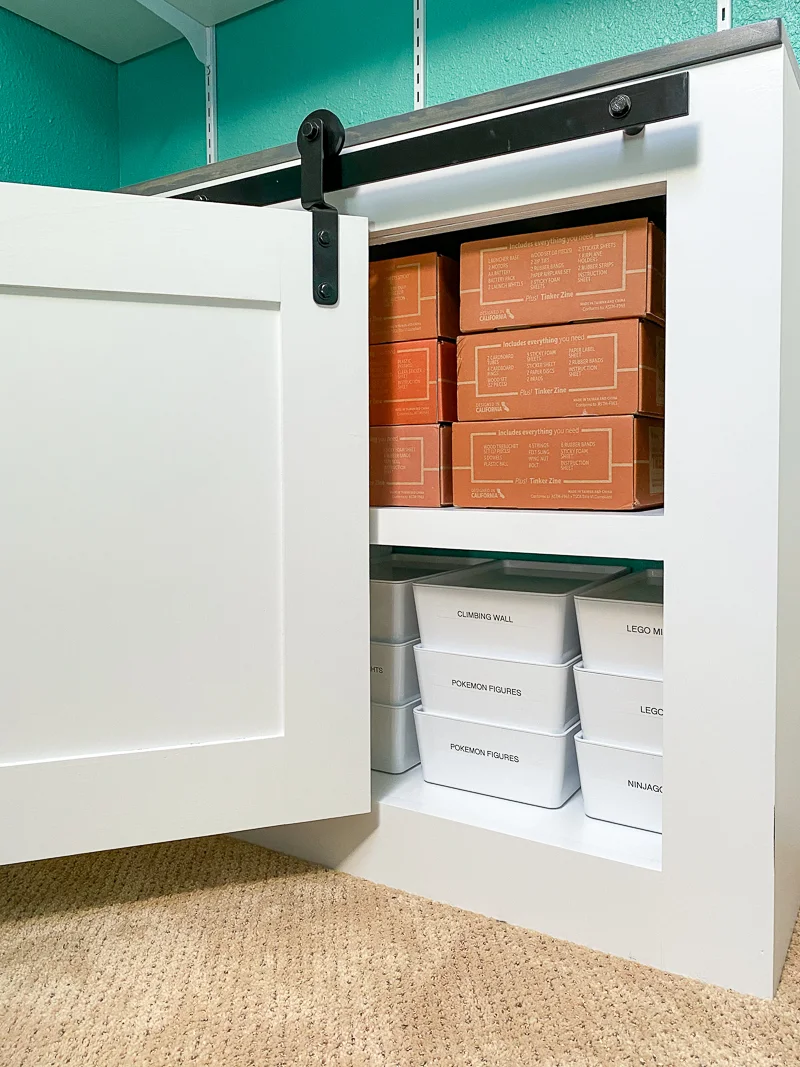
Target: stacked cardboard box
559,401
413,304
561,405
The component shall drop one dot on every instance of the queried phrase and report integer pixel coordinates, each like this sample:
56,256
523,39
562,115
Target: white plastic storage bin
622,625
522,765
391,598
511,609
505,692
620,709
394,738
393,672
620,784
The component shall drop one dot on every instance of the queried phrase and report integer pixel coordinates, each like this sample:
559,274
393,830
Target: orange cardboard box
411,466
412,382
614,270
596,463
599,368
413,298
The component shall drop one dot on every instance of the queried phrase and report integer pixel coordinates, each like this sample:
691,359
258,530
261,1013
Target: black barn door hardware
320,139
629,108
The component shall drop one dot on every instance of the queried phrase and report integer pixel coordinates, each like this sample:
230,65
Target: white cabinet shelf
565,827
614,534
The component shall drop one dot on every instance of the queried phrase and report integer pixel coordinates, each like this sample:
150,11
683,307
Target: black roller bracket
320,139
627,108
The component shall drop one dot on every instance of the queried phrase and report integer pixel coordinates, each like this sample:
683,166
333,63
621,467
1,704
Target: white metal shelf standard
420,54
722,907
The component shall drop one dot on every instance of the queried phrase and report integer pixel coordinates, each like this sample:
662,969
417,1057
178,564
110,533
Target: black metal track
654,62
586,116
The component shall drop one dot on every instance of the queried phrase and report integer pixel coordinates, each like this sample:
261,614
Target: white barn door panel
183,522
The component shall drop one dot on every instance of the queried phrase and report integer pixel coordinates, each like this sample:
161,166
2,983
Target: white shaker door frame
184,637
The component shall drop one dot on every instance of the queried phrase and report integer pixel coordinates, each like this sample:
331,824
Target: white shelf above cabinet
614,534
122,29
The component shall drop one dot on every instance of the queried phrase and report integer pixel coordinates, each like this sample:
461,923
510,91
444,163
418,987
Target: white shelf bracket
203,42
724,21
419,54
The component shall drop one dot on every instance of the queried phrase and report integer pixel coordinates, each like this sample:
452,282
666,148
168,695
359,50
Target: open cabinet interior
563,825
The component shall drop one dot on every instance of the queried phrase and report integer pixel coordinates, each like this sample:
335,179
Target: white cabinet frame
720,903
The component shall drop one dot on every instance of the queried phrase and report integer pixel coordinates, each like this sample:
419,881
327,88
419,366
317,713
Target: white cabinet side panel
787,740
721,487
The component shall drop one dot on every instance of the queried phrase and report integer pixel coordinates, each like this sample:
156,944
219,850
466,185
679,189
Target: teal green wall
161,113
474,46
745,11
69,117
281,61
58,110
274,65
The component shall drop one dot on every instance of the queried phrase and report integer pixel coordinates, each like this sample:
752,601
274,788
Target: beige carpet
215,953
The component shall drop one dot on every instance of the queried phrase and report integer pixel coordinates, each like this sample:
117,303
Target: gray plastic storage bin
394,738
393,616
393,672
